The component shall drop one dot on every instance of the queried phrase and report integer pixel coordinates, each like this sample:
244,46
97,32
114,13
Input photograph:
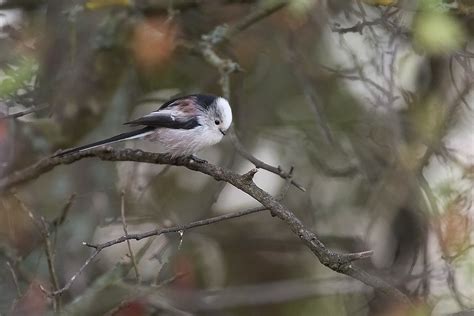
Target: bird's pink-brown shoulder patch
186,106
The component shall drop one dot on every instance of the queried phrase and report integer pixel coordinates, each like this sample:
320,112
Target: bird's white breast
183,142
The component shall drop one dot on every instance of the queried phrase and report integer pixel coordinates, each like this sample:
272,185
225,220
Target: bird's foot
196,159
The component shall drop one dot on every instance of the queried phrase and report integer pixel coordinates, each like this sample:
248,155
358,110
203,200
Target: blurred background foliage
369,100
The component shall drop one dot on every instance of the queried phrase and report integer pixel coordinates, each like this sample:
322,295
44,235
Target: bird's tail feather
117,138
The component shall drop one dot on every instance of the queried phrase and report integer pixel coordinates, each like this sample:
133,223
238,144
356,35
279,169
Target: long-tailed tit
184,125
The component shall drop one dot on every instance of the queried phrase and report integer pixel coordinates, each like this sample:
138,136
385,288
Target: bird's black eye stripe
217,122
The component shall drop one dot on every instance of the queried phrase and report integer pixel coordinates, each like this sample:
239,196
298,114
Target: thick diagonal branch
341,263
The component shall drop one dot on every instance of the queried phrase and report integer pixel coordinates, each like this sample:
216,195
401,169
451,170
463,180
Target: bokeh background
369,100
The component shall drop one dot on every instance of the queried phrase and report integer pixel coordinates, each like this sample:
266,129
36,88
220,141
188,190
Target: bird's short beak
222,131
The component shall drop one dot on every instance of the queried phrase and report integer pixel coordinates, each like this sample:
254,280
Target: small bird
183,126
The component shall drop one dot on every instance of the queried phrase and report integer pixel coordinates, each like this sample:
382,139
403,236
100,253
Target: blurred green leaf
446,189
100,4
17,77
434,5
438,33
301,7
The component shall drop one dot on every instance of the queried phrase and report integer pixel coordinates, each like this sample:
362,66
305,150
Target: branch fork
248,177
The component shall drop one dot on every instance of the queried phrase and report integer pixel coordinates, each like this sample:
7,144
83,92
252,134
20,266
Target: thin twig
50,260
73,278
359,77
124,225
43,229
176,229
357,28
125,238
23,113
15,279
58,221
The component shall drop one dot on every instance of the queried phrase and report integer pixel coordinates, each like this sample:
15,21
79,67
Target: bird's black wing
123,136
177,114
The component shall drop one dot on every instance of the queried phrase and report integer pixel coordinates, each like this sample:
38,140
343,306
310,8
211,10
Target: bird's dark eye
217,122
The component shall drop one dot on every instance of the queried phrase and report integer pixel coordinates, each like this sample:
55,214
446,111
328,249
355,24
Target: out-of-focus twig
58,221
310,95
446,121
23,113
359,77
357,28
161,5
453,286
74,277
15,278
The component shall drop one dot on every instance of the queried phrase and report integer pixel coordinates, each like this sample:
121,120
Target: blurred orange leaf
132,308
455,228
3,130
184,267
419,308
154,41
33,302
16,226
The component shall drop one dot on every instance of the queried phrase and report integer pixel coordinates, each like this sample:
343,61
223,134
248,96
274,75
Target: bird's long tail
117,138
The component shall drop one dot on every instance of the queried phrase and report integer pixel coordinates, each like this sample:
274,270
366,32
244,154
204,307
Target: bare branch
341,263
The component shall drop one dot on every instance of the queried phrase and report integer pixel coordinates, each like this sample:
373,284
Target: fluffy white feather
226,112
